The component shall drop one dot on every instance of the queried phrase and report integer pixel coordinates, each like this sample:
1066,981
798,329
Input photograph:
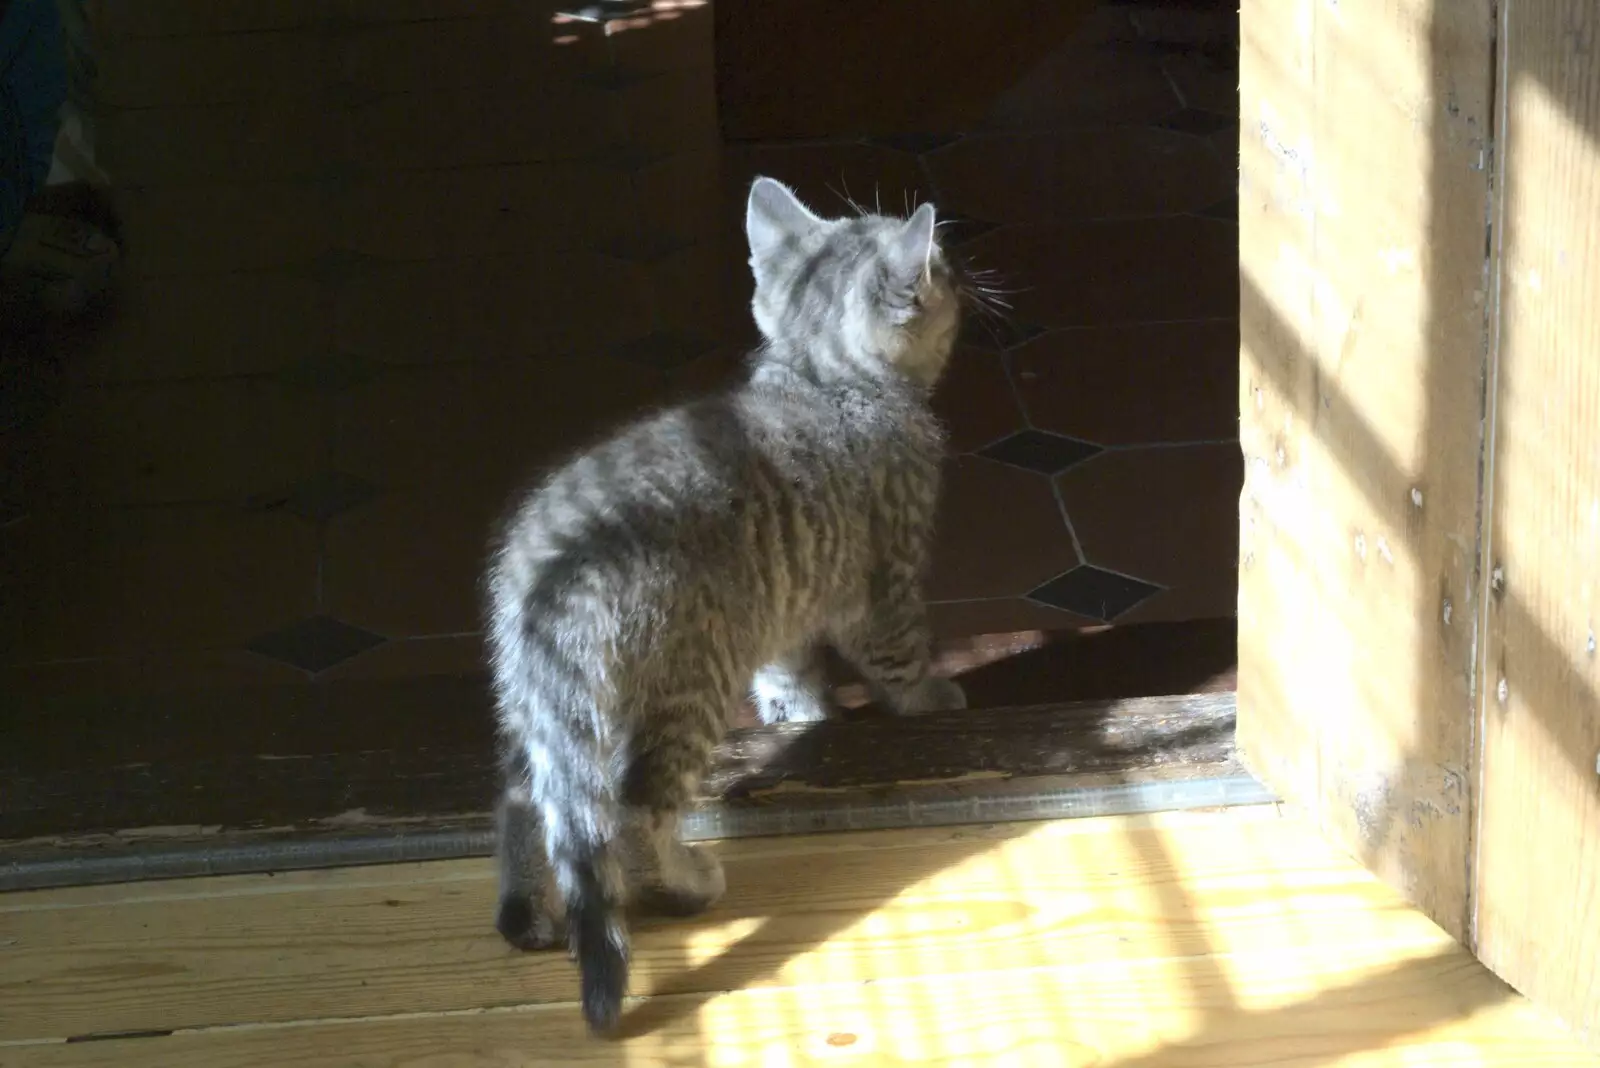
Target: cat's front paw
791,705
936,695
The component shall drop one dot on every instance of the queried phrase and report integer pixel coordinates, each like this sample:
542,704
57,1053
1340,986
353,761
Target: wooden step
1174,940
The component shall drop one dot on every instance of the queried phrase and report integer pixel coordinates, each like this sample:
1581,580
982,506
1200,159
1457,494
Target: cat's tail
581,819
580,833
546,693
597,929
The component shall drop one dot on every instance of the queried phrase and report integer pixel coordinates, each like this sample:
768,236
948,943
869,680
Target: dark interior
378,265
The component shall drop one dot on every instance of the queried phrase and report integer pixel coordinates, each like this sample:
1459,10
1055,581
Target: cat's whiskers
849,200
979,292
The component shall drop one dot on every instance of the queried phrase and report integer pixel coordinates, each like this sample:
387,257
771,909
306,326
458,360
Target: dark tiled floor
382,263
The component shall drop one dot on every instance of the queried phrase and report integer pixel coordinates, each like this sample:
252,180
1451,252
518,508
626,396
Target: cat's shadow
759,956
1174,659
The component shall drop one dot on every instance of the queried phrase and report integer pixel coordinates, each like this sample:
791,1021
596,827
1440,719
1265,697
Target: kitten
709,551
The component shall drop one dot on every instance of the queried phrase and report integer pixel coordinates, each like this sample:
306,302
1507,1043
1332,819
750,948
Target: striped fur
711,550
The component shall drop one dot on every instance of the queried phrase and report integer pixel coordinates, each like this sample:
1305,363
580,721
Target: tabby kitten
709,551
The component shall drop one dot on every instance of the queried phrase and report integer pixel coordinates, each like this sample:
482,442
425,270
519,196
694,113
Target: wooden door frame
1420,386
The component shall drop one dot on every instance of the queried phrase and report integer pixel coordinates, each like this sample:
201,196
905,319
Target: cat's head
866,293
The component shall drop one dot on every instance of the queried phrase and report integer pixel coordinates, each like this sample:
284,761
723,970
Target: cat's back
699,483
627,488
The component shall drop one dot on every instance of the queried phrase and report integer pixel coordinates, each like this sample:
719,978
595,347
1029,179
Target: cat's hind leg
529,907
665,874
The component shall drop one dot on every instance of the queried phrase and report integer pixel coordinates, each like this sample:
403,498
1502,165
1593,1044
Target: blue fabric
33,86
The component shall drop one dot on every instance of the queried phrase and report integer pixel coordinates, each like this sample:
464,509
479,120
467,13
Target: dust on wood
1537,878
1363,230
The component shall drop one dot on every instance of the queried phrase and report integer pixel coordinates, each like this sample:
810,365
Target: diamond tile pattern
1145,384
315,644
1041,451
1000,532
362,288
1090,591
1168,515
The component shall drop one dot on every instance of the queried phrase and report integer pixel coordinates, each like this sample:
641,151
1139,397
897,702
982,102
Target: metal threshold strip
1000,764
708,823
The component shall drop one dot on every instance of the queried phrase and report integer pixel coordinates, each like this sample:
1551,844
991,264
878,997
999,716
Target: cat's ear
913,246
773,216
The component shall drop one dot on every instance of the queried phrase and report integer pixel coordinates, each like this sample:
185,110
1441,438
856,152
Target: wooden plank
418,938
1433,1010
217,799
752,763
1364,195
1197,940
788,808
1538,866
1092,737
91,758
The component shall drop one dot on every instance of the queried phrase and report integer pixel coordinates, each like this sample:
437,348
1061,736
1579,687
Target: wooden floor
1204,940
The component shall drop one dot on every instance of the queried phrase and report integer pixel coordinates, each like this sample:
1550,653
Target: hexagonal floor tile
1134,384
1090,173
1000,532
1122,271
315,644
1094,592
1169,515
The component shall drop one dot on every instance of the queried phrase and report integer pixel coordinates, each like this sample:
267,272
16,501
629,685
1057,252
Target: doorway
377,266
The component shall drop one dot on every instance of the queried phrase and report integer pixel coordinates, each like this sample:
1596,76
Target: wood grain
1538,869
1084,737
1421,1012
1206,940
91,757
417,938
1364,196
222,801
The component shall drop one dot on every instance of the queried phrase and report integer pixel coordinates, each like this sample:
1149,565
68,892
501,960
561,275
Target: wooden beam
120,757
1363,233
333,798
1537,876
1171,939
1089,738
